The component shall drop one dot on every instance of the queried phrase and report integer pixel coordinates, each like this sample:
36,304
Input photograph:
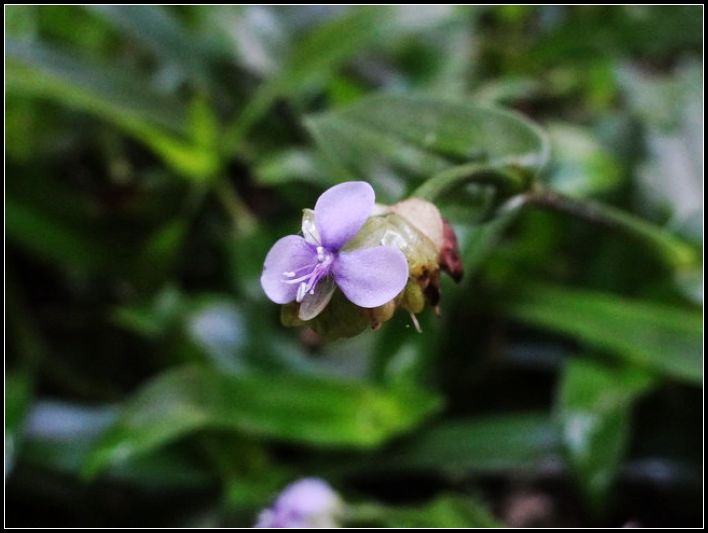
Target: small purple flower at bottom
308,269
308,503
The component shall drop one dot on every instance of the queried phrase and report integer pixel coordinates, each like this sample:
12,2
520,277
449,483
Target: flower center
309,275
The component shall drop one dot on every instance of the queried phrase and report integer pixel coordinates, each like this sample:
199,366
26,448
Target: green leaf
18,393
48,236
117,95
216,325
313,60
676,252
491,444
403,136
160,253
594,407
293,165
665,339
447,511
154,318
581,166
162,33
307,410
479,243
443,512
60,436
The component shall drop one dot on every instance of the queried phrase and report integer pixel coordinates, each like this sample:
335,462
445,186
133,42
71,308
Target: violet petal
370,277
307,503
341,211
289,254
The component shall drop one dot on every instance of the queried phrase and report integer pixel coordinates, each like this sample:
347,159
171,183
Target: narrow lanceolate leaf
496,443
446,511
581,166
119,96
18,393
422,136
60,242
114,93
158,30
665,339
314,59
307,410
593,408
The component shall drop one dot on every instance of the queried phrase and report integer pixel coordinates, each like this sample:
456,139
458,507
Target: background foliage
153,155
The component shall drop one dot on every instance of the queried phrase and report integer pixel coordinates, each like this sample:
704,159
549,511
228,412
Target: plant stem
507,181
244,221
678,253
255,109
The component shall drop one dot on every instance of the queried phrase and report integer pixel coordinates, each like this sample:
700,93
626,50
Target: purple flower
308,503
308,269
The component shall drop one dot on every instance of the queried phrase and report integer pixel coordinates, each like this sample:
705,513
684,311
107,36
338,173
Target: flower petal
289,254
341,211
370,277
313,304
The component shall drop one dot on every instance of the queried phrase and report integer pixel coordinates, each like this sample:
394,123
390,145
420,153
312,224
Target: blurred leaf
447,511
580,165
313,60
52,238
21,21
163,34
293,408
674,251
594,407
327,46
443,512
508,89
401,136
117,95
160,252
479,242
257,37
18,394
670,179
401,355
204,125
490,444
60,436
155,317
217,326
293,165
665,339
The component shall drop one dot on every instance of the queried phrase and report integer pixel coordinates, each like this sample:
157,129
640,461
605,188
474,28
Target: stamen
416,324
301,291
297,280
312,276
